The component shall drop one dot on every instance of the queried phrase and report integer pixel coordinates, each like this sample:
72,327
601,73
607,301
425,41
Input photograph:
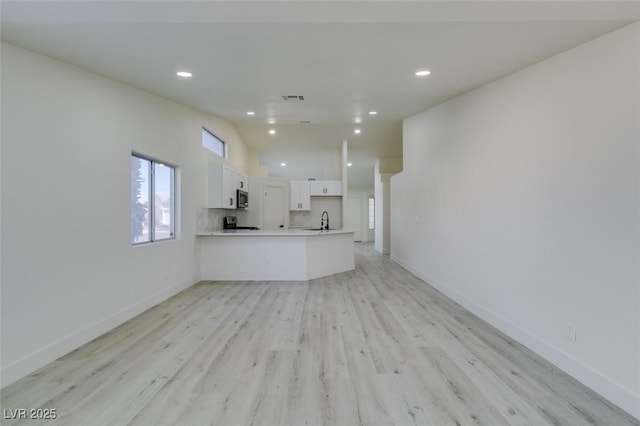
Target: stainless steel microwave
242,199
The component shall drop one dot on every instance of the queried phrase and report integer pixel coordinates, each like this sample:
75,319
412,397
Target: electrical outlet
571,331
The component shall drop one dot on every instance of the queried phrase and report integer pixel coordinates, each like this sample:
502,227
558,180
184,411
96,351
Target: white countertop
272,233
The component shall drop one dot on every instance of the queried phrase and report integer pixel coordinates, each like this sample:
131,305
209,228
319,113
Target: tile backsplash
299,219
210,220
333,205
311,219
202,220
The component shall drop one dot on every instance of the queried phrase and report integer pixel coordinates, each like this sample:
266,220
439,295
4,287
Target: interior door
273,213
354,217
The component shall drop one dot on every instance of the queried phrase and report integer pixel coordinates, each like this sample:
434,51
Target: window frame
151,212
371,210
225,147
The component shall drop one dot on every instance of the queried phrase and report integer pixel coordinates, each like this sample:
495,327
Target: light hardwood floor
375,346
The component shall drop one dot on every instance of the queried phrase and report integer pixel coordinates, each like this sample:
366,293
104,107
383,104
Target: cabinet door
214,187
305,199
299,196
229,183
325,188
294,195
242,182
316,188
334,187
222,186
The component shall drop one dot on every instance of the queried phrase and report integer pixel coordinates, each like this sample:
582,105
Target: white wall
69,272
254,168
526,192
382,227
383,170
326,164
239,156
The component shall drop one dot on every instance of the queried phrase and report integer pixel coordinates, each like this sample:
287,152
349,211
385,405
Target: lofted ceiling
345,58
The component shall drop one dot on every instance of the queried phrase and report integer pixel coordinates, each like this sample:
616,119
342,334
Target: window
372,213
213,143
152,200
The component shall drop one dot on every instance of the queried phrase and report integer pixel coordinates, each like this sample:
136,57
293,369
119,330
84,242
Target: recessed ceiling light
183,74
283,164
356,131
373,112
422,73
349,164
272,132
357,120
251,113
272,121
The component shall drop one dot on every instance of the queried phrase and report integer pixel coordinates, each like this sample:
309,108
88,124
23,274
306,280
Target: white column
345,157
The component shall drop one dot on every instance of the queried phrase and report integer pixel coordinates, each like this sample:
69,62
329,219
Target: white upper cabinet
242,182
325,188
222,186
299,196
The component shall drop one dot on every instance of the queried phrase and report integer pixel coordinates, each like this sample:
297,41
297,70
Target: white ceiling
345,57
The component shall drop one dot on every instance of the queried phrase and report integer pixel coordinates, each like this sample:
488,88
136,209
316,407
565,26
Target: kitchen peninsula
286,255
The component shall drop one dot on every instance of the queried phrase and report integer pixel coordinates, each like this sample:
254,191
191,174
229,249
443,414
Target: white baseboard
30,363
618,395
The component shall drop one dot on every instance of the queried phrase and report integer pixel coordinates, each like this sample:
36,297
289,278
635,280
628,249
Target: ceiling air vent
305,122
293,97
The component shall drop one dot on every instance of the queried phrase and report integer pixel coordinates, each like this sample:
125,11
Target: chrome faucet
324,225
